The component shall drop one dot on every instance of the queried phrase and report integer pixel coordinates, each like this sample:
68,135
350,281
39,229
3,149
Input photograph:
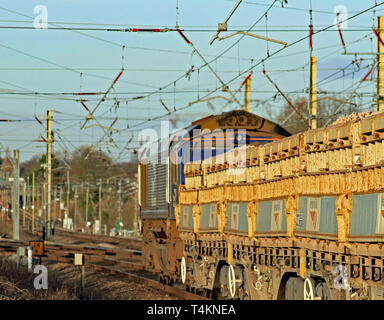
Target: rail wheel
183,269
308,289
232,281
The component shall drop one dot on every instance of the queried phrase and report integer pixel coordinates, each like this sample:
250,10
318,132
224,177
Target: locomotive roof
235,119
238,119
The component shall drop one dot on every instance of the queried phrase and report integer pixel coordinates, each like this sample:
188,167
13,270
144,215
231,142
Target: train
235,207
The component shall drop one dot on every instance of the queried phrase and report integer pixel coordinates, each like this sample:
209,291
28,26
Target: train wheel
232,281
308,289
183,269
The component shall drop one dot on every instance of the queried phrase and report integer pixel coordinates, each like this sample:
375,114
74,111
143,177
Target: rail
99,257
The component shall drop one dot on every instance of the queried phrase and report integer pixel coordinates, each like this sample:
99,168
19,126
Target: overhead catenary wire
356,29
116,44
66,68
287,7
353,93
303,39
159,104
290,45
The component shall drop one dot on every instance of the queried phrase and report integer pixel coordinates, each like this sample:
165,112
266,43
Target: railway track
66,235
123,242
123,261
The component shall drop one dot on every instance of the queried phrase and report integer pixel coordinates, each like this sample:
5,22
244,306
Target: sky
45,69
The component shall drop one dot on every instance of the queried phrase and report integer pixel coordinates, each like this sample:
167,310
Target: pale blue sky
150,63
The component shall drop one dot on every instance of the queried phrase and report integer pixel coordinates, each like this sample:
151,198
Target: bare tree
327,111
